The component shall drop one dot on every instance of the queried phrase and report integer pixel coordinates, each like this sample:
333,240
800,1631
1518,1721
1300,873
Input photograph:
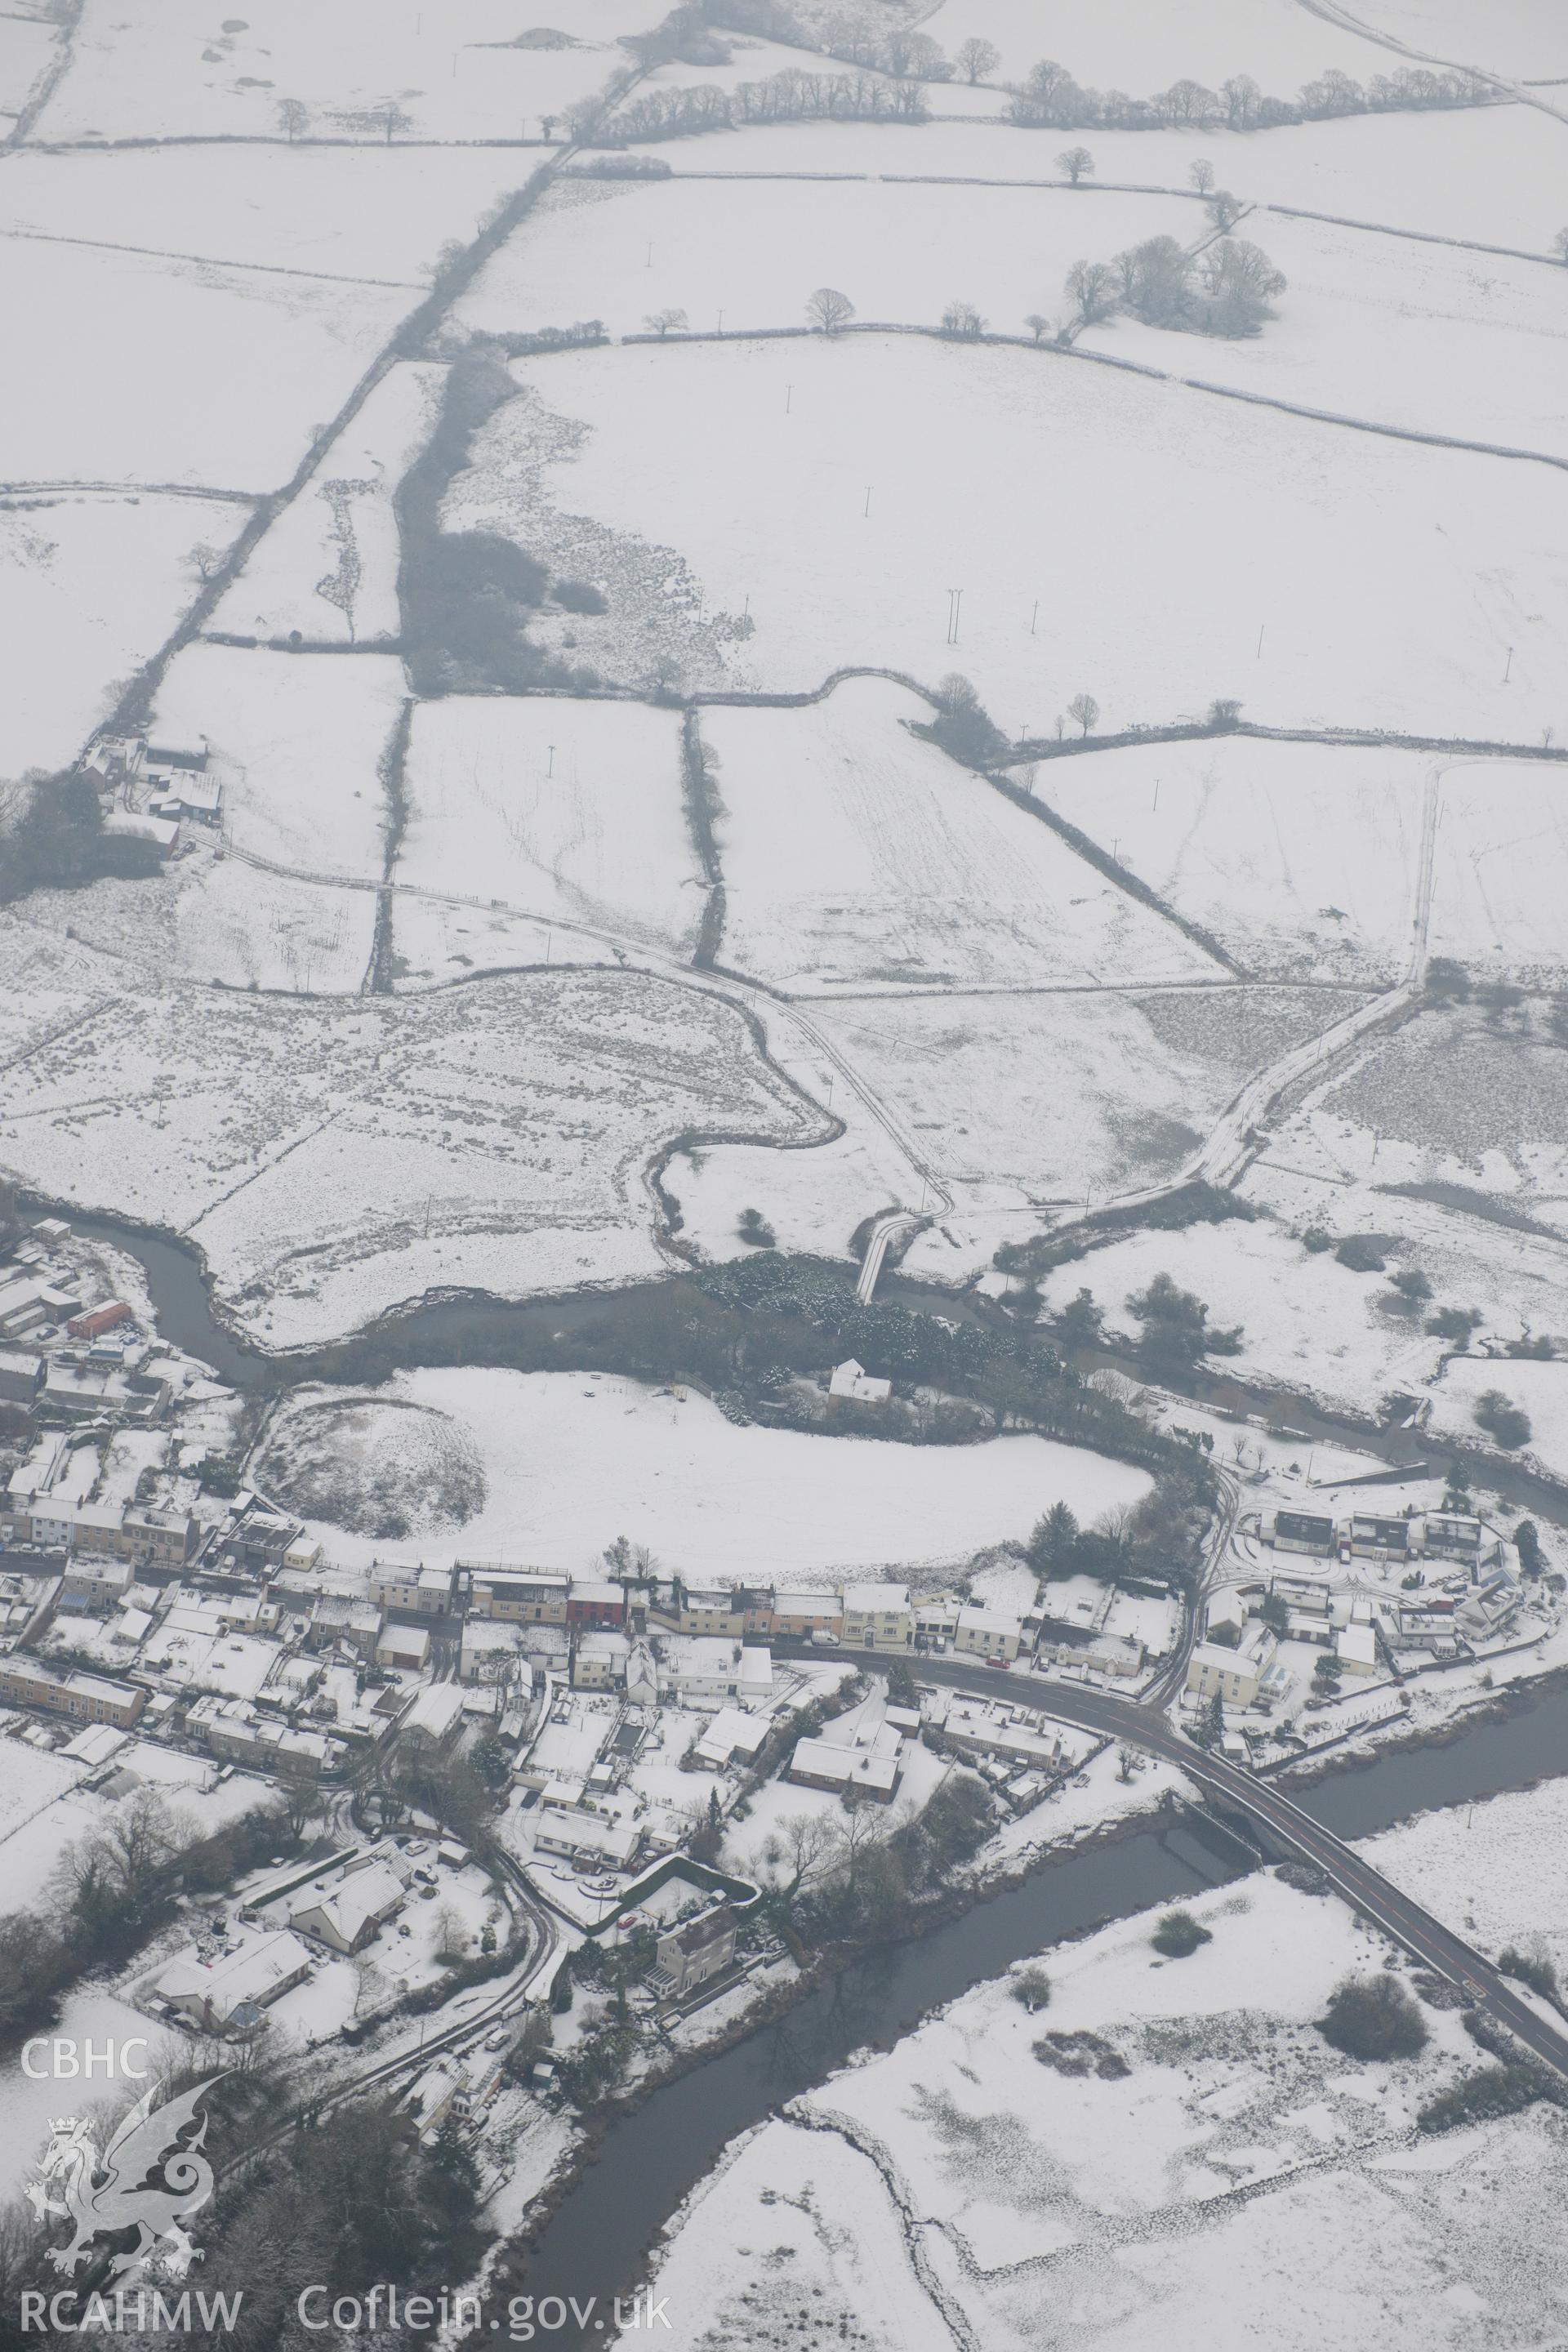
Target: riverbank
600,2220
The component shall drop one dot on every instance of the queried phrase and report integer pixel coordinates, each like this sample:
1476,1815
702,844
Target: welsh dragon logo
101,2195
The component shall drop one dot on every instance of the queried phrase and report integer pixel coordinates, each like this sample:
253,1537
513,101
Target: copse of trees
1227,289
1502,1418
1176,1328
52,837
962,727
1373,2018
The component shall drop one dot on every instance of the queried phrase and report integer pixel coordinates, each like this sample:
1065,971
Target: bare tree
393,118
800,1853
294,116
1085,710
1224,210
1560,245
1239,281
963,319
1201,175
1094,289
1243,102
1077,162
1037,324
206,559
828,310
452,1937
976,58
664,323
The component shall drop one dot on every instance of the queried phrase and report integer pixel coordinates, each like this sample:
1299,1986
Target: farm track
1344,21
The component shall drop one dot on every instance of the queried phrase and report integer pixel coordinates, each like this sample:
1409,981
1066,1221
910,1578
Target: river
599,1329
648,2160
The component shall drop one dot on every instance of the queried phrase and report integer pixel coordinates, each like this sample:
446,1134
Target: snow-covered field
573,1461
1499,1871
1027,481
958,2188
624,252
26,51
1142,46
1470,174
1306,1321
1539,1389
299,739
333,1161
89,588
161,67
1300,858
1419,337
221,376
1522,37
857,855
571,810
349,213
328,566
1069,1096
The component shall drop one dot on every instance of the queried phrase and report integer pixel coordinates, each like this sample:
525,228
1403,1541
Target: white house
852,1384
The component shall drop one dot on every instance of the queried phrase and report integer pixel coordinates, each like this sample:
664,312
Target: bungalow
817,1764
348,1915
214,1995
586,1837
878,1617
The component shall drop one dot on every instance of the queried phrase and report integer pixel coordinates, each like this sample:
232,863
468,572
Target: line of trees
793,95
1050,98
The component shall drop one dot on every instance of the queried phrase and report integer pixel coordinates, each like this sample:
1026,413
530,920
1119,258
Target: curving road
1423,1936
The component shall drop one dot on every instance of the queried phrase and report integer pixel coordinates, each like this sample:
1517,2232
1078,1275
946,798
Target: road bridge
1145,1727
